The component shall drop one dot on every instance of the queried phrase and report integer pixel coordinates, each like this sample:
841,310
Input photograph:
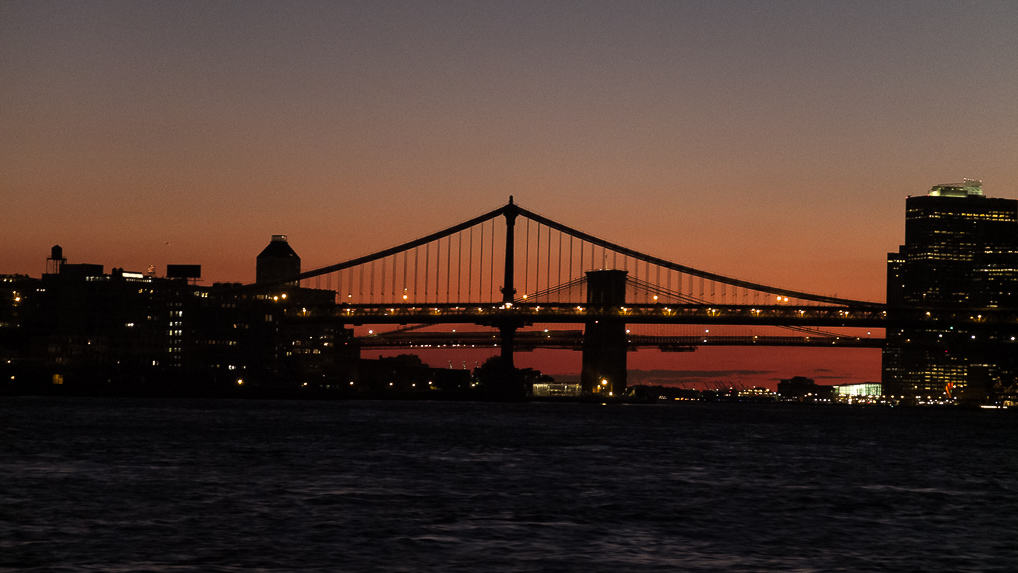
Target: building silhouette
804,390
86,330
960,252
277,263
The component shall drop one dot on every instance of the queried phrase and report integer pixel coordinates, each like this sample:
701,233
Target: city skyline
771,143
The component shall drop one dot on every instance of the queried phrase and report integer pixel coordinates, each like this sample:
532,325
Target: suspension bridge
510,269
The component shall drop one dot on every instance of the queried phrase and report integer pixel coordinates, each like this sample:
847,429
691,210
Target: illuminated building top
967,188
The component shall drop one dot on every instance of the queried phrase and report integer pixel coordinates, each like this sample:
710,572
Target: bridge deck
488,313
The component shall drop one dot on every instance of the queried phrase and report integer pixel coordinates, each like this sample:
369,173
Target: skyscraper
960,252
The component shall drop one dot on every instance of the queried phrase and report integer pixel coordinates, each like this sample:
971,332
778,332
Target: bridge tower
604,340
512,388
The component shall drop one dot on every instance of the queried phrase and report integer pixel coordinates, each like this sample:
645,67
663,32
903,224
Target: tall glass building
960,253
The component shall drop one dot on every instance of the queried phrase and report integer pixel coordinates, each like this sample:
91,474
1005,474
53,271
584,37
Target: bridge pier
604,340
507,334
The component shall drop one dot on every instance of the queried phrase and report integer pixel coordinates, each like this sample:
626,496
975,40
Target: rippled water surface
126,484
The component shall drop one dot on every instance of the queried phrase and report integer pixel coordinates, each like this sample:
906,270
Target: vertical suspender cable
427,268
570,257
459,267
547,282
558,279
537,258
470,264
480,268
448,266
491,262
526,259
581,258
381,287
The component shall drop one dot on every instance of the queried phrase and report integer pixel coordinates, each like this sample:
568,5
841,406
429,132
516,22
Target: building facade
960,253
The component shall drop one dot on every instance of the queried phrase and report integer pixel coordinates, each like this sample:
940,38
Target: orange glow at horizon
706,134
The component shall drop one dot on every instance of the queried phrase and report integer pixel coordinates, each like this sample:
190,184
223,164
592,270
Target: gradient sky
772,141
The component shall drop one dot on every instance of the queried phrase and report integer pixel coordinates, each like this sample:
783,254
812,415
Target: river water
219,485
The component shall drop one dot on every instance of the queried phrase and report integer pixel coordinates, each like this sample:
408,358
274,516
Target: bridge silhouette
532,270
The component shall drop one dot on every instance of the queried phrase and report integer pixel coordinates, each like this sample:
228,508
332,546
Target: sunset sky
771,141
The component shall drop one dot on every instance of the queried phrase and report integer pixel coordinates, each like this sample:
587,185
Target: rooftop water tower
55,261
